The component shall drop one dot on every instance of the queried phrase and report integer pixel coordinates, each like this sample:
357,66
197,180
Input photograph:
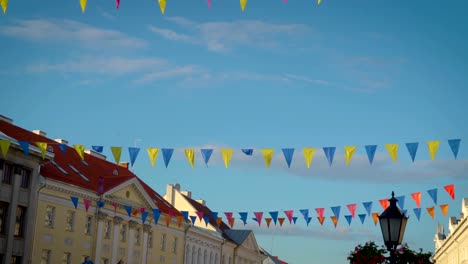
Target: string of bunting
226,153
289,214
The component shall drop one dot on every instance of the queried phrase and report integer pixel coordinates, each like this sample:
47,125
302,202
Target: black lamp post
393,224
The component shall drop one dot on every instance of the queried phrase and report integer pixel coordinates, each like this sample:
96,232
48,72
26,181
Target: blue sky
278,75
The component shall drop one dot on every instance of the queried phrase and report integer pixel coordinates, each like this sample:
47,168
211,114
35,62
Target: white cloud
184,71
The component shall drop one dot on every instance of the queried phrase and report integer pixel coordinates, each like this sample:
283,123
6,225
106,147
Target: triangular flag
258,216
43,147
115,205
362,217
193,218
200,215
349,151
128,208
412,149
384,203
24,145
135,212
133,153
83,5
248,152
433,146
4,146
352,209
430,210
100,204
231,222
401,202
219,220
288,154
190,155
417,198
444,209
305,213
320,211
180,219
308,220
368,207
162,5
4,4
228,215
450,190
206,218
144,215
209,3
74,201
80,150
185,214
152,154
268,221
167,154
117,3
243,3
375,217
334,220
370,150
168,220
227,154
308,155
206,153
319,1
417,212
321,219
243,217
454,146
348,219
267,155
329,153
142,209
433,194
62,147
98,149
86,203
214,215
336,211
281,220
393,151
274,215
289,214
294,219
116,152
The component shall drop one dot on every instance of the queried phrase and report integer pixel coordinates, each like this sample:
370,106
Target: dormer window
116,173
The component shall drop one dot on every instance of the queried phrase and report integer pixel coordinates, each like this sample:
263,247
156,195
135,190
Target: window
123,232
3,217
15,260
66,259
104,261
7,173
107,229
58,167
25,178
70,221
138,236
49,216
174,246
19,224
89,225
45,256
78,172
150,239
163,242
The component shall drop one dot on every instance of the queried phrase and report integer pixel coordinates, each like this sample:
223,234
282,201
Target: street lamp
393,224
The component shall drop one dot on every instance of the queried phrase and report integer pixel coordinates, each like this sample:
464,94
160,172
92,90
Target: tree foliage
370,253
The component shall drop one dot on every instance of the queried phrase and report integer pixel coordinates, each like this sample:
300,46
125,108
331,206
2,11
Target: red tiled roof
93,169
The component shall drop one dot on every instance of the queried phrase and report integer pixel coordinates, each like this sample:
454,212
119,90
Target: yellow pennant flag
334,220
83,5
430,210
319,1
375,217
153,154
349,151
268,155
116,152
433,146
393,151
243,3
43,147
444,208
4,4
162,5
308,155
80,150
227,154
4,145
190,154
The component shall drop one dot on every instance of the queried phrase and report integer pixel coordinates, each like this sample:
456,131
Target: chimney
202,202
61,141
6,119
124,164
187,193
40,133
177,187
95,154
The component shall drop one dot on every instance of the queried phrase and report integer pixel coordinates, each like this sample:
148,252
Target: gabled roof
68,167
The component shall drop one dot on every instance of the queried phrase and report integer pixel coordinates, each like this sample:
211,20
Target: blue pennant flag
74,201
185,215
417,212
412,149
433,194
206,153
288,155
97,148
128,208
370,150
243,217
308,220
454,146
336,211
368,207
214,215
207,219
305,213
144,215
25,146
329,153
62,147
274,216
156,215
167,154
401,202
248,152
100,203
348,219
362,217
193,218
133,153
294,219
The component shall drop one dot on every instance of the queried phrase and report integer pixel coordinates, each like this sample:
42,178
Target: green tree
370,253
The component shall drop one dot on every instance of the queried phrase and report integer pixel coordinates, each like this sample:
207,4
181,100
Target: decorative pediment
251,243
131,193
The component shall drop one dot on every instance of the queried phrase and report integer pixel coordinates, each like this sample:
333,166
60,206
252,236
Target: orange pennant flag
268,221
444,208
281,220
384,203
321,219
334,220
231,222
375,216
417,198
179,220
430,210
168,219
218,221
134,212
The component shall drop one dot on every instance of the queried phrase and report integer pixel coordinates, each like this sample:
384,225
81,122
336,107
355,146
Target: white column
101,217
12,215
115,241
131,240
146,230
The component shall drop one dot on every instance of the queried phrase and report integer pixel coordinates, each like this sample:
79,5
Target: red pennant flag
117,3
320,211
384,203
281,220
86,203
142,210
352,209
375,216
417,198
258,216
228,216
334,220
115,207
231,222
321,220
200,215
268,221
289,214
450,190
444,208
218,221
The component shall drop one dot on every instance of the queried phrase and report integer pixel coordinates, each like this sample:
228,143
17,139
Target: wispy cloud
43,30
225,36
